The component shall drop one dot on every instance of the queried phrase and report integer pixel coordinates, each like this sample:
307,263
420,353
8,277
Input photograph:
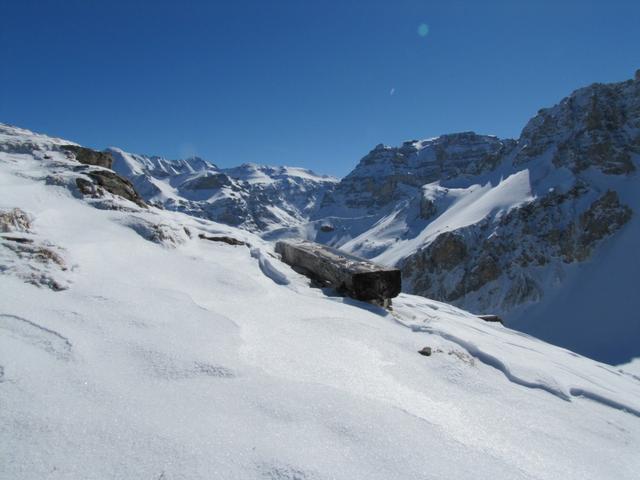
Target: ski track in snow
36,335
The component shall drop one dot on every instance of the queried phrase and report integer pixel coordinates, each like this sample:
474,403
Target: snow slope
167,356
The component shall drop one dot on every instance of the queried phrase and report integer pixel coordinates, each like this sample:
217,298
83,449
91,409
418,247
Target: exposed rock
523,289
594,127
427,208
443,254
160,233
486,270
490,318
425,351
17,239
14,220
605,216
384,174
223,239
89,157
28,258
112,183
459,267
86,187
208,182
446,251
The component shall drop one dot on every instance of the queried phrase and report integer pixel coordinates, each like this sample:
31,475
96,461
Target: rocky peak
384,174
596,126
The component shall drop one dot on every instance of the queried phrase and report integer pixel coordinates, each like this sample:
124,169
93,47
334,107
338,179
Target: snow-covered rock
173,357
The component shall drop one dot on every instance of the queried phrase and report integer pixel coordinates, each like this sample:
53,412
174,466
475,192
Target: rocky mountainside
255,197
517,228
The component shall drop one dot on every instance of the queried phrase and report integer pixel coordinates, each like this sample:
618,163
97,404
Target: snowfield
166,356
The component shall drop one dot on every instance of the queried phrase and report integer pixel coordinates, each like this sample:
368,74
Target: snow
196,359
599,298
464,206
633,367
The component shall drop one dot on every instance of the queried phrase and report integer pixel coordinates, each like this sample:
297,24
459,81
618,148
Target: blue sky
314,84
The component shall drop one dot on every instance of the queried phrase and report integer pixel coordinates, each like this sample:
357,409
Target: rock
486,270
88,156
426,351
17,239
427,208
383,175
164,234
85,186
593,127
604,216
14,220
112,183
446,251
523,289
223,239
44,263
325,227
208,182
491,318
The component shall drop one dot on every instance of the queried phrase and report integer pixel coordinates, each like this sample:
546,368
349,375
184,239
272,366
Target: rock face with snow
383,175
255,197
502,226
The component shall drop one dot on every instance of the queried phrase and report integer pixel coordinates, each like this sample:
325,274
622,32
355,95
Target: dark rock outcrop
106,180
88,156
14,220
223,239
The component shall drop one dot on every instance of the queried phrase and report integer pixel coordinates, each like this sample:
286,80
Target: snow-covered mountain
542,231
255,197
132,347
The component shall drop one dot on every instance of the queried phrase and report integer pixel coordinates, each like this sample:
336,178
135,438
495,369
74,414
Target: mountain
255,197
541,230
132,346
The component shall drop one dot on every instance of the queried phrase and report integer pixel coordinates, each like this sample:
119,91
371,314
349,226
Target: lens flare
423,29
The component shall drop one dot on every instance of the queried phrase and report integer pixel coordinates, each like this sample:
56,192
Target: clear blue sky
298,82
